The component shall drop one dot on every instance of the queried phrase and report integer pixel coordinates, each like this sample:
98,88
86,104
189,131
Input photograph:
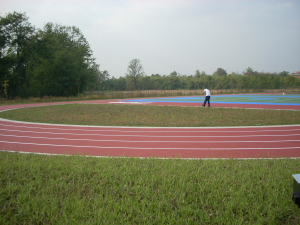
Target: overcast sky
181,36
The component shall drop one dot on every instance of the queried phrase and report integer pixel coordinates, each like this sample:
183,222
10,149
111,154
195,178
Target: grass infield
151,116
38,189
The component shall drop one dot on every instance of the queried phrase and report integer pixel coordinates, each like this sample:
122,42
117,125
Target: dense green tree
56,60
230,81
121,84
220,72
143,82
156,81
15,44
218,78
62,63
173,81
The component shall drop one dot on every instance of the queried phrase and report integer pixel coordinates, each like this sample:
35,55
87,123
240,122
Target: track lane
159,152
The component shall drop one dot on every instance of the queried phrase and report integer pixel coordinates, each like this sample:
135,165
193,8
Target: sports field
50,188
117,134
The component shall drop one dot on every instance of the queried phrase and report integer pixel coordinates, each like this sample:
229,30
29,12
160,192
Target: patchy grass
142,115
37,189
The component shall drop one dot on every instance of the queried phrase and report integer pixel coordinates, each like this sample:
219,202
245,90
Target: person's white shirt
207,92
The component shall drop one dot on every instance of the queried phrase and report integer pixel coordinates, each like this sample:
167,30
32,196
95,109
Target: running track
228,142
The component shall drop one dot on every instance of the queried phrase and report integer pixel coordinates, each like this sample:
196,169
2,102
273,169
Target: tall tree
63,62
15,47
197,74
249,72
220,72
134,71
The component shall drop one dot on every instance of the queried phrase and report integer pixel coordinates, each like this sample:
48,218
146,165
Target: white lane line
97,140
100,147
155,131
160,136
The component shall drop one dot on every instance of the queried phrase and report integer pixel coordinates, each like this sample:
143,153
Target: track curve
219,142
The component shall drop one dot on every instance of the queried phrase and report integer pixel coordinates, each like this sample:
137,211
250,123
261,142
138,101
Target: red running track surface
225,142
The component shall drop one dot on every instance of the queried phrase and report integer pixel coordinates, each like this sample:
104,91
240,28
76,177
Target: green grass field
143,115
42,189
39,189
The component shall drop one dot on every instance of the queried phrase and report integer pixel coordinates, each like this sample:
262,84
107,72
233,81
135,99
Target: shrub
37,99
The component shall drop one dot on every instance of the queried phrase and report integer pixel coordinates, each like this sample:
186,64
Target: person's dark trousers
207,98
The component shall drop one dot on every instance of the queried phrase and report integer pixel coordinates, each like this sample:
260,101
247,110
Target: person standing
207,97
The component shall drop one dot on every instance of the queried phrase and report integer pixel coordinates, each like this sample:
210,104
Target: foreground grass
37,189
141,115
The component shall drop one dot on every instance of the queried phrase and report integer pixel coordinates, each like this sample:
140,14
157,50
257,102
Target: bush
37,99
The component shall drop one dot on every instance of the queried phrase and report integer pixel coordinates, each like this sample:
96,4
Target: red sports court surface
225,142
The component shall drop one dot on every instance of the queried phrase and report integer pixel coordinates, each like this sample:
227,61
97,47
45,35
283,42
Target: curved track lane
227,142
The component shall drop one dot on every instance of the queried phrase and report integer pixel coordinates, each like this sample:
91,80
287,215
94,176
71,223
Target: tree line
57,61
220,79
